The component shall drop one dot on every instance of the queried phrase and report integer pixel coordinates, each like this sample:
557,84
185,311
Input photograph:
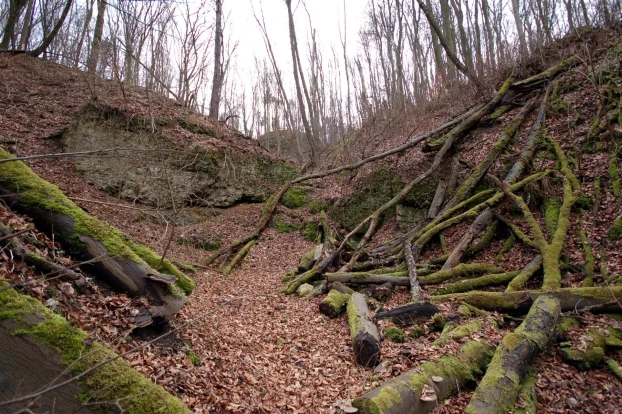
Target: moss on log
455,333
87,237
114,380
362,278
467,186
541,78
519,302
334,303
519,282
403,393
363,332
469,123
498,390
463,269
467,285
527,401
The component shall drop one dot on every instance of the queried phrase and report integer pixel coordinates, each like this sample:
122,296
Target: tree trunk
120,263
448,48
363,331
214,103
25,35
15,9
519,302
50,37
498,390
303,114
367,278
97,37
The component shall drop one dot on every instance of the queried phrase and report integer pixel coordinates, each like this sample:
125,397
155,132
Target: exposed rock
151,168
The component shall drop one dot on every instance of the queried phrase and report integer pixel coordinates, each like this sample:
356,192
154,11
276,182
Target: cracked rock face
151,169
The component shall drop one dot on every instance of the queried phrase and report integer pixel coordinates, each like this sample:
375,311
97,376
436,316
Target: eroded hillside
243,345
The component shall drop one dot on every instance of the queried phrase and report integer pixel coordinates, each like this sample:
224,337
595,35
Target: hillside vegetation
469,263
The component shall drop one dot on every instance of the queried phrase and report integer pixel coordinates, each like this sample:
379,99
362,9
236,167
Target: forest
425,218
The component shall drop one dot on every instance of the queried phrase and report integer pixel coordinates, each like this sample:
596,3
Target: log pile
457,282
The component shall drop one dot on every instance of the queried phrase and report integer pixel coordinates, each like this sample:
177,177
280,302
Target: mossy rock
312,232
282,226
371,193
416,332
295,198
394,334
115,380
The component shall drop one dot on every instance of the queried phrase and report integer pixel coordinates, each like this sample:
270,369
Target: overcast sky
326,17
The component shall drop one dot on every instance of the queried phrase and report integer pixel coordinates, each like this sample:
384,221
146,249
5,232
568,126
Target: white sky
326,17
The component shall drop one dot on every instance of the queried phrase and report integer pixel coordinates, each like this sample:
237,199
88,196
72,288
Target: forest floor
246,347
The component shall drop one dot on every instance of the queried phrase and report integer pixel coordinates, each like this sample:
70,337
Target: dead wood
410,314
363,332
519,302
498,390
121,263
403,394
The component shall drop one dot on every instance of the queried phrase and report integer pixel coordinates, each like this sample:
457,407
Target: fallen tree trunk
478,226
403,394
463,269
367,278
525,274
517,169
519,302
468,285
119,261
541,78
410,314
498,390
363,332
467,186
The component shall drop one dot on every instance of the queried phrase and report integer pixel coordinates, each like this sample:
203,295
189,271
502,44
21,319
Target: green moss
285,227
461,270
499,111
194,358
312,232
336,301
36,193
295,198
115,380
507,245
551,213
614,176
459,332
584,202
371,193
152,259
438,322
416,332
616,229
394,334
614,367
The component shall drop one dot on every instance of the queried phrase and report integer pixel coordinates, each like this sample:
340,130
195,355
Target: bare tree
218,64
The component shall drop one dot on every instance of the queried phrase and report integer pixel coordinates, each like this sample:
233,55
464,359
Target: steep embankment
250,348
